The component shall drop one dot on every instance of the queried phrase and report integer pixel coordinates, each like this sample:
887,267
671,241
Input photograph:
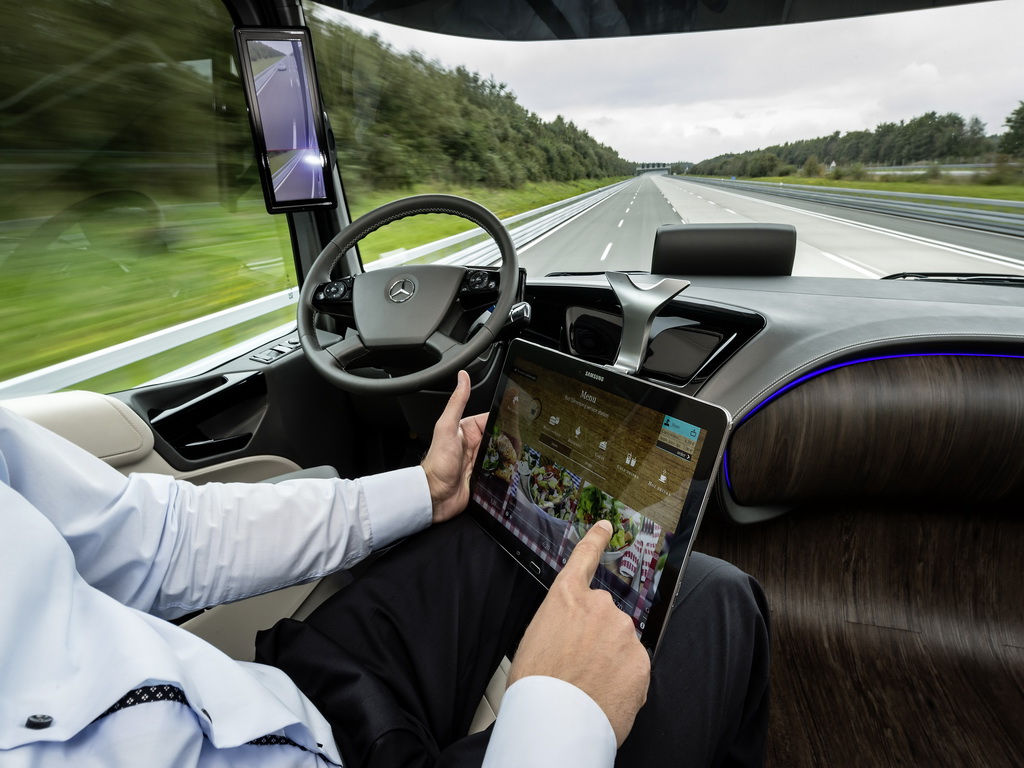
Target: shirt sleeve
544,722
169,547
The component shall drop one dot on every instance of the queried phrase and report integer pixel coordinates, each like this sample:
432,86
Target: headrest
724,249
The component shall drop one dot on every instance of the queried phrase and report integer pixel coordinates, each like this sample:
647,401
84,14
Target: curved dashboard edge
922,426
812,324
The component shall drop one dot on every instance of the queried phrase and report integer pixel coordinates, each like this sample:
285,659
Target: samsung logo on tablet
592,375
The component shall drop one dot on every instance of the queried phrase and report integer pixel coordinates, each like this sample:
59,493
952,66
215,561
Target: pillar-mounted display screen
287,117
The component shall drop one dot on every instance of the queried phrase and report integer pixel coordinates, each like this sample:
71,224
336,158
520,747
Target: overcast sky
694,96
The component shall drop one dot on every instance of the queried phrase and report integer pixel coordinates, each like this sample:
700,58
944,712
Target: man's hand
578,635
449,461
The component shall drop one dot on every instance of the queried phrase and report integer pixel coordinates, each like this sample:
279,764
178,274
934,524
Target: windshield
135,244
131,217
886,141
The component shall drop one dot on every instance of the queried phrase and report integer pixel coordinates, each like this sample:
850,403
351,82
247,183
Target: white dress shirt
92,563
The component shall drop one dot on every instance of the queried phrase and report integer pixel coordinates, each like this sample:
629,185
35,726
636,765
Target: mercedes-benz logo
401,290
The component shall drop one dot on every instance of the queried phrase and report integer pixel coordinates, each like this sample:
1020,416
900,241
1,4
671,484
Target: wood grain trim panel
930,426
897,632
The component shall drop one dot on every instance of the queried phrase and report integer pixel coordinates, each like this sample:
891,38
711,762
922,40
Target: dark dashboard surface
811,322
924,376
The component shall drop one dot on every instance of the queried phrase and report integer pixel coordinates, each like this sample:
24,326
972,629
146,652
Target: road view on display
286,119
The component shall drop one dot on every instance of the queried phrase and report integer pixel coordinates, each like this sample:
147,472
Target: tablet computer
570,442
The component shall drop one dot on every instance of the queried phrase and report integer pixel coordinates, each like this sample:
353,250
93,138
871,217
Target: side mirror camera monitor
287,117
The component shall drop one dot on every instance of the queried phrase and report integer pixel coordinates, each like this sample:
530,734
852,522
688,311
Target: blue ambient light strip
826,369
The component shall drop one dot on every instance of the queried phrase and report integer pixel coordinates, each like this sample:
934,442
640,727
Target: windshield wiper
959,277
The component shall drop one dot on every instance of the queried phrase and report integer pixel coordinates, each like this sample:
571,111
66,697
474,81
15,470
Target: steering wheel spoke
441,345
348,350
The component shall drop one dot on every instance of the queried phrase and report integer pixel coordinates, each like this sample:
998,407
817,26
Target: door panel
229,423
245,422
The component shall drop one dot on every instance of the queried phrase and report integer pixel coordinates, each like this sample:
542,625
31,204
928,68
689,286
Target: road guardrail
1001,216
475,248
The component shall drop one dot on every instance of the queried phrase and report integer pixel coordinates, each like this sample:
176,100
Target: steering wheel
407,308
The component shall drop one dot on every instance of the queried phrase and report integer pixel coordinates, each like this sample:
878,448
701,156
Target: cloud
698,95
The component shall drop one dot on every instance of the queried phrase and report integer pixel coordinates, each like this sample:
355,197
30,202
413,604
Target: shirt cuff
398,505
544,721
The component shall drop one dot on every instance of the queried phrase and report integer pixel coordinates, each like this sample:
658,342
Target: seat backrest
724,249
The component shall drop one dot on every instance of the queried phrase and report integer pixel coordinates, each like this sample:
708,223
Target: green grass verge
261,65
72,296
277,160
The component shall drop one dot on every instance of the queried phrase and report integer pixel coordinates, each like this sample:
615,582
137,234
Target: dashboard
838,388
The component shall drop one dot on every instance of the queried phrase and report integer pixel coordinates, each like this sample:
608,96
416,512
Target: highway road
282,107
288,128
618,234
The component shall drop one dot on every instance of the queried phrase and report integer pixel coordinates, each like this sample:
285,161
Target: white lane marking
288,169
709,202
850,264
620,222
996,258
606,249
730,210
552,231
627,210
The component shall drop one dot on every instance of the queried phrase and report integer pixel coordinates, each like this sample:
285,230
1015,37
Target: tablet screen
569,443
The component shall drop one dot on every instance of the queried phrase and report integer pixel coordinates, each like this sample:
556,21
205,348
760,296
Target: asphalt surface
618,234
287,126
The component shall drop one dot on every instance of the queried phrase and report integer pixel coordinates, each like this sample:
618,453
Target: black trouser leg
398,660
708,700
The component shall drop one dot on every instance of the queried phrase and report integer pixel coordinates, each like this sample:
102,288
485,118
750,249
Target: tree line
928,138
93,88
399,119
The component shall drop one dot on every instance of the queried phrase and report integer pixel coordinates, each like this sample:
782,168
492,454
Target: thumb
448,423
